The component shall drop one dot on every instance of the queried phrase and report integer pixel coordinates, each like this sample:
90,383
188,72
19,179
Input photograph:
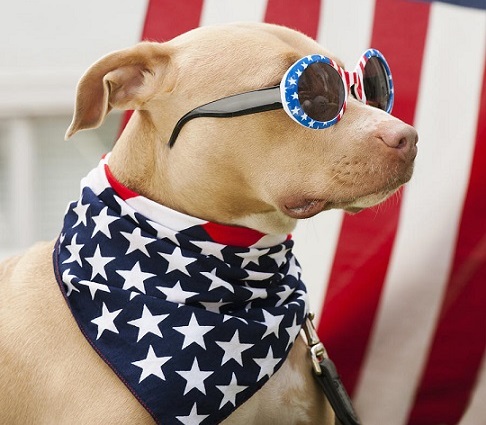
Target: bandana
193,316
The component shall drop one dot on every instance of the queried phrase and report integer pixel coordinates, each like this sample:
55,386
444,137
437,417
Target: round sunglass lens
375,81
321,92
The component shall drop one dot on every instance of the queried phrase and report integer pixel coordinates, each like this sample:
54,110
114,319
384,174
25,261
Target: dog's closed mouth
304,208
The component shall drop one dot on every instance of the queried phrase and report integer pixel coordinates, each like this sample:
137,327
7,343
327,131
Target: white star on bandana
194,378
93,287
217,282
193,418
74,248
151,365
267,364
148,323
67,279
106,322
98,263
80,210
103,222
176,294
177,261
193,333
137,241
230,391
135,278
233,349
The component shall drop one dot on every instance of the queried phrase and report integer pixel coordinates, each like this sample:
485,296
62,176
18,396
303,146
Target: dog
258,171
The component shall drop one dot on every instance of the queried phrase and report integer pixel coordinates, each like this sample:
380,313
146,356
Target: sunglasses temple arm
263,100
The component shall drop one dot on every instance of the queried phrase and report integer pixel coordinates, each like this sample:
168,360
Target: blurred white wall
46,46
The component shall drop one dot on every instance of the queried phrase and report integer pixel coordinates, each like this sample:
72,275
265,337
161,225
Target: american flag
194,317
400,289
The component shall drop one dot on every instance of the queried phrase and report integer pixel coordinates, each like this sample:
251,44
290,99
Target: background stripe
474,413
316,239
315,244
166,19
224,11
366,240
459,342
431,210
304,19
337,17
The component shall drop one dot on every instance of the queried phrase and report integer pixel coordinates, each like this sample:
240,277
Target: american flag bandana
194,317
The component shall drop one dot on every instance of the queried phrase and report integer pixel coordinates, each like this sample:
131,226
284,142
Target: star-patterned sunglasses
313,92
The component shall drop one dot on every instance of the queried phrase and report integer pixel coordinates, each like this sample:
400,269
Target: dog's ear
121,80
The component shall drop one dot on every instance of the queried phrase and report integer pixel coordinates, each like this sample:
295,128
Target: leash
328,378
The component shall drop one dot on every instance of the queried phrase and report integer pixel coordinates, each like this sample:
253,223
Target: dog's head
260,170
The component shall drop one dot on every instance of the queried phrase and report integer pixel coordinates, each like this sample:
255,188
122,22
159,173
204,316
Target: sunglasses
313,92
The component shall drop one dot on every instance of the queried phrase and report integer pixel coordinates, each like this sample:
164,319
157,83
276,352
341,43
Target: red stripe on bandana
366,240
232,235
460,339
121,190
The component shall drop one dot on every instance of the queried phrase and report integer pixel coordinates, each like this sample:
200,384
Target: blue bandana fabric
193,327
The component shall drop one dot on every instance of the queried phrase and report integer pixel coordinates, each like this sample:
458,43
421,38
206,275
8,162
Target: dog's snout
398,135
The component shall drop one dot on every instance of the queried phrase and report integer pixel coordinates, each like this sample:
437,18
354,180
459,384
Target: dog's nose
398,135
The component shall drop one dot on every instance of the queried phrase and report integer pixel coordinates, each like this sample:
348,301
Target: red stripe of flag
460,339
366,240
166,19
303,16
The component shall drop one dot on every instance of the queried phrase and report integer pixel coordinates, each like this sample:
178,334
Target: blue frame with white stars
289,88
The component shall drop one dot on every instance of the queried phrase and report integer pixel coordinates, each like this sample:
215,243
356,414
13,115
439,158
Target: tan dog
261,171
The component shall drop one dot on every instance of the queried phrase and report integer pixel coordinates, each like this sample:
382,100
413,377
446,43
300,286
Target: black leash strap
336,393
328,378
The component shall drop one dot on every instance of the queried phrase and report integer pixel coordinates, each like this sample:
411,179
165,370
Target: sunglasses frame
285,95
358,90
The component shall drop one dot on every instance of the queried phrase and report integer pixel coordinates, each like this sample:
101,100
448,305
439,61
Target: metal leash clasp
327,376
316,347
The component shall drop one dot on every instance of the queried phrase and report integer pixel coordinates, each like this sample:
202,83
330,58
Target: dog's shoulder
34,263
27,282
8,266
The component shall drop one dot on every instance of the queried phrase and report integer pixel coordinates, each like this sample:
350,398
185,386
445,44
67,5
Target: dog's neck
191,180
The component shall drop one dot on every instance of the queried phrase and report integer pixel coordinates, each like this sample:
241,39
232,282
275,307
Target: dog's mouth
300,207
305,208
